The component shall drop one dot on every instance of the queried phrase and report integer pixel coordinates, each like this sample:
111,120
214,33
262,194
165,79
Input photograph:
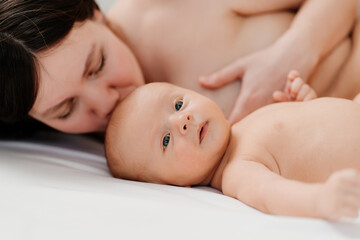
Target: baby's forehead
158,87
141,106
155,93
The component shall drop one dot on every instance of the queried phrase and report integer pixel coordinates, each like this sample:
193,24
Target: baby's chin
200,180
177,182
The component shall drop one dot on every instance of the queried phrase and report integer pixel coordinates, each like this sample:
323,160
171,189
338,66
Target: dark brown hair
28,27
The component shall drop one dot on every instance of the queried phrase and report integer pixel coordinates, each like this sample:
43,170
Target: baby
289,158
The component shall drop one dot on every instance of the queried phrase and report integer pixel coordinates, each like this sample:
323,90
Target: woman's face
84,77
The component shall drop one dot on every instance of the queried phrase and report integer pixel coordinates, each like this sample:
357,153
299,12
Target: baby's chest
273,141
300,153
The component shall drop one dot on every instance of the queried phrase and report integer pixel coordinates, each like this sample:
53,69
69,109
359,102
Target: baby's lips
202,130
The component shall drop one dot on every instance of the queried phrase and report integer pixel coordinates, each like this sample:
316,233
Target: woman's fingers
239,110
224,76
247,102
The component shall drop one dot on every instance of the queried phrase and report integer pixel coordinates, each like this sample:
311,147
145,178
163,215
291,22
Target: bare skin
298,157
289,158
249,43
174,44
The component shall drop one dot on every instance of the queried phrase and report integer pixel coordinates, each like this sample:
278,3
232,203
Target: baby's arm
255,185
295,90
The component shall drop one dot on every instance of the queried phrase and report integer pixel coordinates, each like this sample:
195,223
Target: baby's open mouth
203,131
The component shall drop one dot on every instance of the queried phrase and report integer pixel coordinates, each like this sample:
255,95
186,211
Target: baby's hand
340,196
295,90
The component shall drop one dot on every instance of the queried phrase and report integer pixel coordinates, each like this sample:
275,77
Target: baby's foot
295,90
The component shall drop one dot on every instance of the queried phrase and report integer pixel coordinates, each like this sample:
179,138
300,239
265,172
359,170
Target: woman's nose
101,100
182,122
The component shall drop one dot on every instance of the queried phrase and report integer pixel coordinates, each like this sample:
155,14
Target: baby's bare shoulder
250,146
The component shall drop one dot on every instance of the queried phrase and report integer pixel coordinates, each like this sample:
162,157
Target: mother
66,65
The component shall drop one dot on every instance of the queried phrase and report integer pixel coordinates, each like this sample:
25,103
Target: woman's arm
246,7
317,28
257,186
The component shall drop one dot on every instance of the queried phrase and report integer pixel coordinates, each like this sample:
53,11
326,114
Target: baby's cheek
191,158
183,156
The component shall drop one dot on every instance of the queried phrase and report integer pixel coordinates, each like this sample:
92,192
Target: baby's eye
166,140
178,105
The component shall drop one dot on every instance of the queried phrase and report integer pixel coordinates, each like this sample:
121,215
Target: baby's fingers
351,206
351,191
350,177
350,213
280,96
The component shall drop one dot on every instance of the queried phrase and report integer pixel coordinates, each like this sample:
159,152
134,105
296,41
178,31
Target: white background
105,4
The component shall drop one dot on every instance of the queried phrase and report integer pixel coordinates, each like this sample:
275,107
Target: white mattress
59,188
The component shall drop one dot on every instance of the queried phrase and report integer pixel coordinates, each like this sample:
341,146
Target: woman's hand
261,73
311,36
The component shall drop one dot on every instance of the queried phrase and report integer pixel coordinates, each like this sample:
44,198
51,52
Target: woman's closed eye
69,109
179,104
100,65
166,141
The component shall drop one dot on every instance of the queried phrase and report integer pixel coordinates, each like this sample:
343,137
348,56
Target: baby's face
175,134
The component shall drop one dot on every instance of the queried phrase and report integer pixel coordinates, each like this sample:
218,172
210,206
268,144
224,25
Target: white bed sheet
59,188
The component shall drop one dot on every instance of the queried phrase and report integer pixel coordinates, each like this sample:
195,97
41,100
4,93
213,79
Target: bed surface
58,187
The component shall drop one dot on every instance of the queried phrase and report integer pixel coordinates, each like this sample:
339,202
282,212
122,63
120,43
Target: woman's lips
203,130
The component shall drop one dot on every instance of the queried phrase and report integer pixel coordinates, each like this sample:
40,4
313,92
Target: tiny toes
295,86
312,95
303,92
293,74
280,96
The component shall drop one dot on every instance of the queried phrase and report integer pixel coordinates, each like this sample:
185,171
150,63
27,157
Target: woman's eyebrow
89,59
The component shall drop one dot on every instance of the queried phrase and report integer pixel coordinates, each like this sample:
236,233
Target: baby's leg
295,90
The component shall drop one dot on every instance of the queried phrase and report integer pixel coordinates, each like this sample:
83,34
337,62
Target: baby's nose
183,121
